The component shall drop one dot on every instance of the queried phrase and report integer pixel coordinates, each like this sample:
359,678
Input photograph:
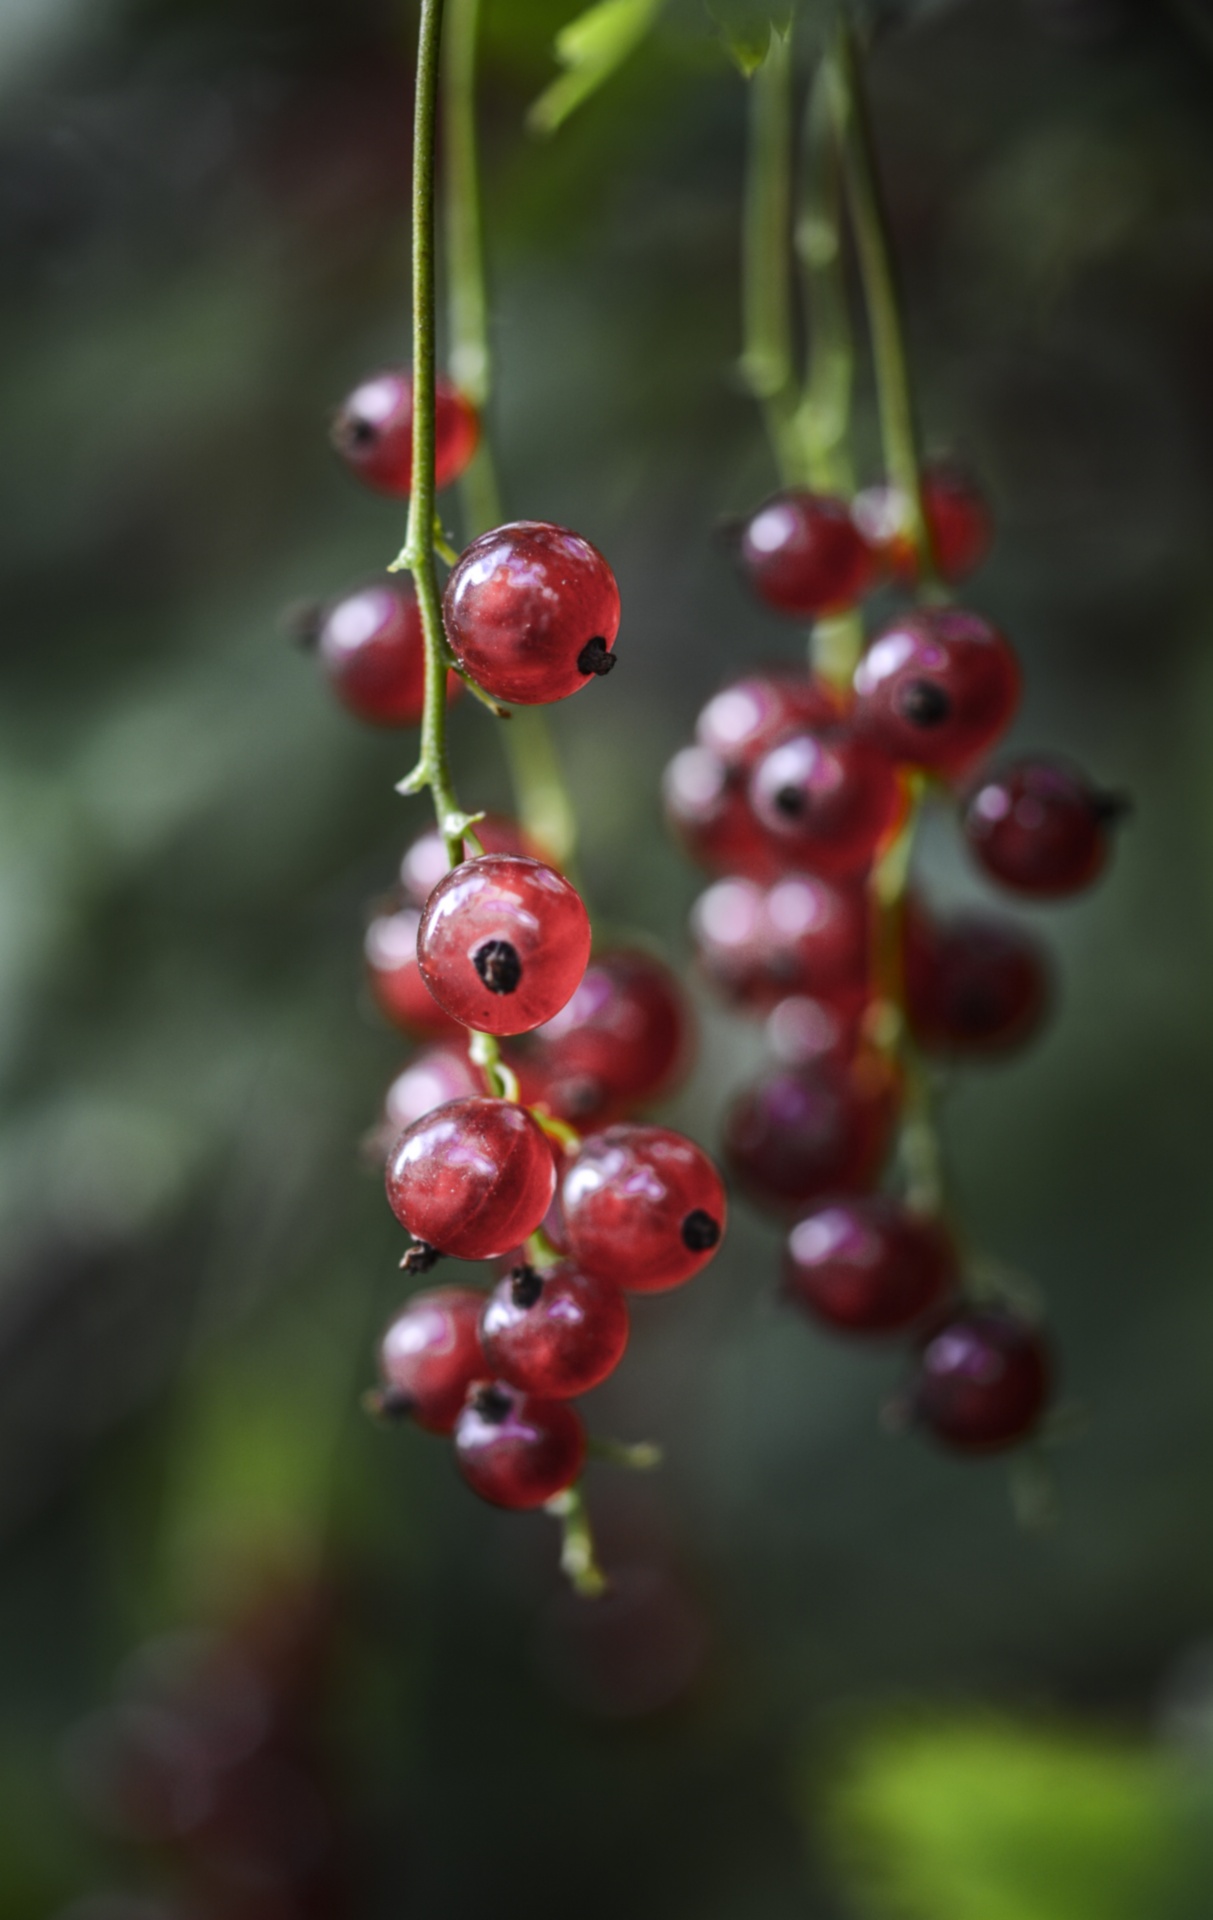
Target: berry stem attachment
578,1557
639,1456
484,1051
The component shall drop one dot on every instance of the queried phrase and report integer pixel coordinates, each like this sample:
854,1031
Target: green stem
578,1559
823,418
766,291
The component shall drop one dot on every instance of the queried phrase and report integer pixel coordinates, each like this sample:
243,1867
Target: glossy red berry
473,1178
395,981
556,1334
802,936
425,860
936,689
625,1035
643,1207
371,648
532,612
983,1380
868,1264
516,1450
434,1078
1039,827
430,1355
503,943
958,519
828,800
708,812
748,715
803,554
973,984
373,432
803,1031
801,1132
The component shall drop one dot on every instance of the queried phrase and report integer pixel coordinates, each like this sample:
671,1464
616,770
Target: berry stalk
766,290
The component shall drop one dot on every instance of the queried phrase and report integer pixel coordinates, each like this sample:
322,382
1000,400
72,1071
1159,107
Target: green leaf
591,48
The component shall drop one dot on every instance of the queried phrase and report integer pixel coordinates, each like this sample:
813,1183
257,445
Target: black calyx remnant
498,965
595,656
923,703
1111,808
493,1403
700,1231
354,432
420,1257
525,1286
388,1403
790,800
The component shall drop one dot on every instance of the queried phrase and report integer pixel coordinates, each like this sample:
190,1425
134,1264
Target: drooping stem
766,289
578,1559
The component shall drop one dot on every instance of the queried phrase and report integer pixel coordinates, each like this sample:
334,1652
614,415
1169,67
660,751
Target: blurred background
834,1679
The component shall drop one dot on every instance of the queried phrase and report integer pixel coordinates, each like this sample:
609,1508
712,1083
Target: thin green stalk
766,290
578,1558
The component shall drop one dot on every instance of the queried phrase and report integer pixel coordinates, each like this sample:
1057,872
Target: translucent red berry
748,715
974,984
431,1080
370,646
802,936
828,800
425,860
503,943
803,554
473,1178
515,1449
803,1031
373,432
936,689
395,981
708,811
430,1354
557,1333
868,1264
625,1035
799,1133
643,1206
958,518
983,1380
1040,827
532,612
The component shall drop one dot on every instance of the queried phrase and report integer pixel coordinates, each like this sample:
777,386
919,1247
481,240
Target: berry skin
983,1380
370,646
516,1450
801,936
958,519
799,1133
802,1031
827,800
1040,828
643,1207
803,554
395,981
708,813
624,1036
473,1178
503,943
749,715
555,1334
868,1265
425,861
936,689
975,984
430,1355
532,612
434,1078
373,432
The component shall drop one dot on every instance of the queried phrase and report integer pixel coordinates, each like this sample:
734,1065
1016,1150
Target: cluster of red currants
499,945
798,793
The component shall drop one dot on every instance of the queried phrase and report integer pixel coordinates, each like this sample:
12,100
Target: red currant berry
531,612
983,1380
1040,827
803,1031
643,1206
709,815
747,716
430,1355
503,943
425,860
936,689
471,1179
434,1078
557,1333
803,554
395,981
958,519
802,935
373,432
371,648
516,1450
974,984
828,800
801,1132
624,1036
868,1265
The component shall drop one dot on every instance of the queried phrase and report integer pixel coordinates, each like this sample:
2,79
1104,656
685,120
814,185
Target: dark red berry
531,612
958,519
434,1078
828,801
394,977
708,810
430,1354
803,1031
801,1132
625,1035
556,1334
1040,827
643,1206
936,689
973,984
425,860
503,943
868,1265
373,432
516,1450
373,654
472,1179
749,715
983,1380
803,554
802,936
